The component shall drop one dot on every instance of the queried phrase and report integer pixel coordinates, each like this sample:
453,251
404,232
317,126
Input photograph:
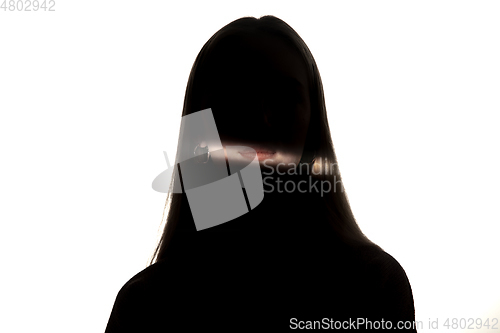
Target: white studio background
91,95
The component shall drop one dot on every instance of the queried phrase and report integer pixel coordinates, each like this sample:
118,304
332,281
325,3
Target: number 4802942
28,5
471,323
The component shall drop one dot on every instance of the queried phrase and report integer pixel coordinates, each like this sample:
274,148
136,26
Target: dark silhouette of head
265,91
296,255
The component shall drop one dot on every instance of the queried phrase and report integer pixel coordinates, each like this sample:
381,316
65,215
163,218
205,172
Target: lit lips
262,154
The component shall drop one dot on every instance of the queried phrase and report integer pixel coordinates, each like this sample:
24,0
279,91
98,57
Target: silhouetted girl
297,259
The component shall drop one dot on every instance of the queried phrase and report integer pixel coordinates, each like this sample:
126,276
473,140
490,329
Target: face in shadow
257,86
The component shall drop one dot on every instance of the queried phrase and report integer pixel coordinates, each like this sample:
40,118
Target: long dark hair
318,149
